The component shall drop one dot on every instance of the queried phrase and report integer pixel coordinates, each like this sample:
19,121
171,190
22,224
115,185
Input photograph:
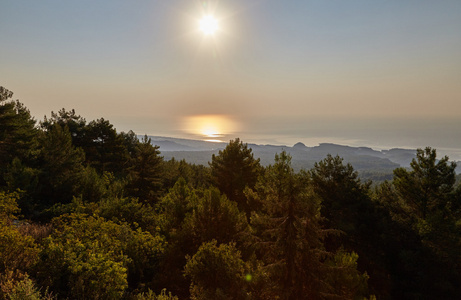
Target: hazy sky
375,73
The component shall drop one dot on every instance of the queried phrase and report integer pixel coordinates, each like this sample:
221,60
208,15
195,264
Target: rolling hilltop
371,164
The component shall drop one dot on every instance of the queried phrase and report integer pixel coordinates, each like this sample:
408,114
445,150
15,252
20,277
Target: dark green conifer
233,169
146,172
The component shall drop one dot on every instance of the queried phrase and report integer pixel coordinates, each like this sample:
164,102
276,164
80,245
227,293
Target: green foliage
25,290
290,237
62,166
427,200
217,272
17,252
247,232
129,211
92,272
350,283
19,176
348,207
130,141
190,217
215,217
115,187
145,172
105,149
174,207
289,213
428,187
124,211
343,195
93,186
91,258
8,281
18,130
5,94
76,124
424,204
233,169
8,207
197,176
375,176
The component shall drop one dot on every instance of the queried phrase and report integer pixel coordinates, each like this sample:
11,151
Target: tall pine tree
233,169
146,172
17,131
290,239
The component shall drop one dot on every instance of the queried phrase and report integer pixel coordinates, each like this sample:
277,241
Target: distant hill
371,164
168,144
368,162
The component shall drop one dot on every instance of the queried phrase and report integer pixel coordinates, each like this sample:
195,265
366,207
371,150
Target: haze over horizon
359,73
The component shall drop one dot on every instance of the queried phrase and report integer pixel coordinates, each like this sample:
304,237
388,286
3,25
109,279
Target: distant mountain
365,160
167,144
370,163
401,156
300,146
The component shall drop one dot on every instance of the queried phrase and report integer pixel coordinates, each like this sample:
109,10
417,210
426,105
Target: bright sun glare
208,25
210,130
210,127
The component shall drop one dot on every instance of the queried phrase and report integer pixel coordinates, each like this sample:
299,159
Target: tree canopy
233,169
87,212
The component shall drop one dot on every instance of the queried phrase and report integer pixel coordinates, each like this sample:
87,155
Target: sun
208,25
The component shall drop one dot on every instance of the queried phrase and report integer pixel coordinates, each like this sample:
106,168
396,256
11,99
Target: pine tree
428,203
233,169
105,149
215,217
348,207
424,204
146,172
77,125
61,166
17,132
290,237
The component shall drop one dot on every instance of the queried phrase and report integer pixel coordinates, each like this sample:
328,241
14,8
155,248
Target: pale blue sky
376,73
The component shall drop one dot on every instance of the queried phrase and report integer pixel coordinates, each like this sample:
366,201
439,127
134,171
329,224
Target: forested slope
87,212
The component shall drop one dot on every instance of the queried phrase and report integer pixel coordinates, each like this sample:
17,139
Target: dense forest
87,212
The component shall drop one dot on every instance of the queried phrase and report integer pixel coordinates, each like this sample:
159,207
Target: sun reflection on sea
211,128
